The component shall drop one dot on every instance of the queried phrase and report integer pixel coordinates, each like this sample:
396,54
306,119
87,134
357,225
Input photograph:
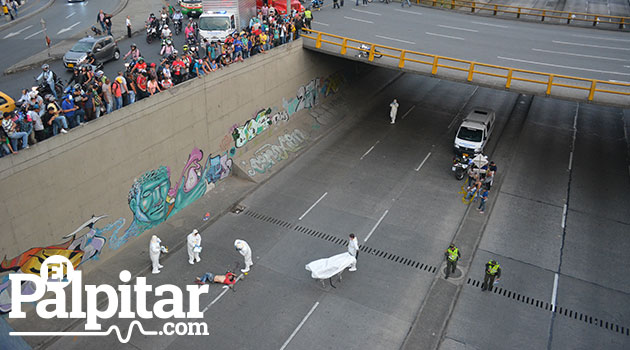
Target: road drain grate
336,240
557,309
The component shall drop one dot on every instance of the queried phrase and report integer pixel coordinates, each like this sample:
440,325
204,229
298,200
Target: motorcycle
317,4
43,88
152,33
178,26
460,165
366,54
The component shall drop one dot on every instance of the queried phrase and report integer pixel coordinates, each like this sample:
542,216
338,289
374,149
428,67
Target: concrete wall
54,187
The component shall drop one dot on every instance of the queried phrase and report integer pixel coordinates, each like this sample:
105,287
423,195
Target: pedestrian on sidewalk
6,11
484,198
336,4
108,24
14,5
365,2
193,244
402,3
452,255
154,253
128,24
353,249
493,270
394,110
243,248
100,19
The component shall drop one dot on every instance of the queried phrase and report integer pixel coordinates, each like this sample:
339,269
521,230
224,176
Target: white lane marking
406,11
17,33
368,151
600,38
560,66
313,206
70,15
619,81
581,55
564,213
225,289
321,24
409,111
554,294
394,39
32,35
299,326
368,12
458,28
590,45
490,24
571,160
357,19
68,28
424,160
375,226
444,36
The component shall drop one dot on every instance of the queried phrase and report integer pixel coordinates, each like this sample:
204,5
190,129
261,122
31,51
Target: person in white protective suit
393,111
194,247
353,249
243,248
154,252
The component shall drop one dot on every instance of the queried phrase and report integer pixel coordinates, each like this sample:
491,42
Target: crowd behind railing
91,94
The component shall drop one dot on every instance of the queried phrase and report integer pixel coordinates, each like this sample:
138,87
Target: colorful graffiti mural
332,84
306,97
269,154
251,128
77,249
153,200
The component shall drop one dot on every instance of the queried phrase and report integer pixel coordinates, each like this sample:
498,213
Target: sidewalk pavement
26,11
137,10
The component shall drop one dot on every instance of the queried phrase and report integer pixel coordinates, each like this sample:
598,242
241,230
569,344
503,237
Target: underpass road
580,52
337,187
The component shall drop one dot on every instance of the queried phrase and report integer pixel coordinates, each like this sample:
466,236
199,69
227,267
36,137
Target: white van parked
473,133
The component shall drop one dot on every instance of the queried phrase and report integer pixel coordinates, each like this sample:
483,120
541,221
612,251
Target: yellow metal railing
472,69
519,11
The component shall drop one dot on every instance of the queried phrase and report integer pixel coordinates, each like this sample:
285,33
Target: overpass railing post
371,56
452,4
569,18
591,92
549,84
518,13
318,41
401,62
472,7
595,21
508,83
344,46
495,10
471,71
621,23
543,16
435,65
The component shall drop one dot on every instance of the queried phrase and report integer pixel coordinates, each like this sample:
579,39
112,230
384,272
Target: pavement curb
22,19
20,68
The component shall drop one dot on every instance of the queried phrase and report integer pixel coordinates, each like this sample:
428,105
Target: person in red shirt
141,84
179,70
140,65
229,278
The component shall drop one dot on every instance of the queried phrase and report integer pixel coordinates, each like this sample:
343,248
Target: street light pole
46,38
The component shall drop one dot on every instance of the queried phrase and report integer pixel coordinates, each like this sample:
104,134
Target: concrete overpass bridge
582,64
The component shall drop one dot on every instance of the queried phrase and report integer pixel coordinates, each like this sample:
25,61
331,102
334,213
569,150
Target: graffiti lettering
332,84
269,154
251,128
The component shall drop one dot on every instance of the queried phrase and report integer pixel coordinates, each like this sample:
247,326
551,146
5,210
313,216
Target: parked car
474,131
6,103
104,49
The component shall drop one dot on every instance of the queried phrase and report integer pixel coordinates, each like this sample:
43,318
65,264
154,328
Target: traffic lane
13,84
487,43
600,179
63,20
488,320
592,302
543,152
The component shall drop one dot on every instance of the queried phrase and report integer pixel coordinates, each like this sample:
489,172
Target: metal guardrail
473,69
527,11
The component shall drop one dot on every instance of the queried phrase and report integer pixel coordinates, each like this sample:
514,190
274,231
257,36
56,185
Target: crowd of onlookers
91,94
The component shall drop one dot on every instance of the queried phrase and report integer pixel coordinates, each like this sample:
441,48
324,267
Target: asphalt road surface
559,229
63,20
581,52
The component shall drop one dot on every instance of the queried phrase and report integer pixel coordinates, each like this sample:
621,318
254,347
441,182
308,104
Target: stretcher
327,268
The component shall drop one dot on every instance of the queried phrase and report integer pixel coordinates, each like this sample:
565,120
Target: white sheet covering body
328,267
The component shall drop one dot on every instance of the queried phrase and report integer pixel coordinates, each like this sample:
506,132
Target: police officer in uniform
493,270
452,255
